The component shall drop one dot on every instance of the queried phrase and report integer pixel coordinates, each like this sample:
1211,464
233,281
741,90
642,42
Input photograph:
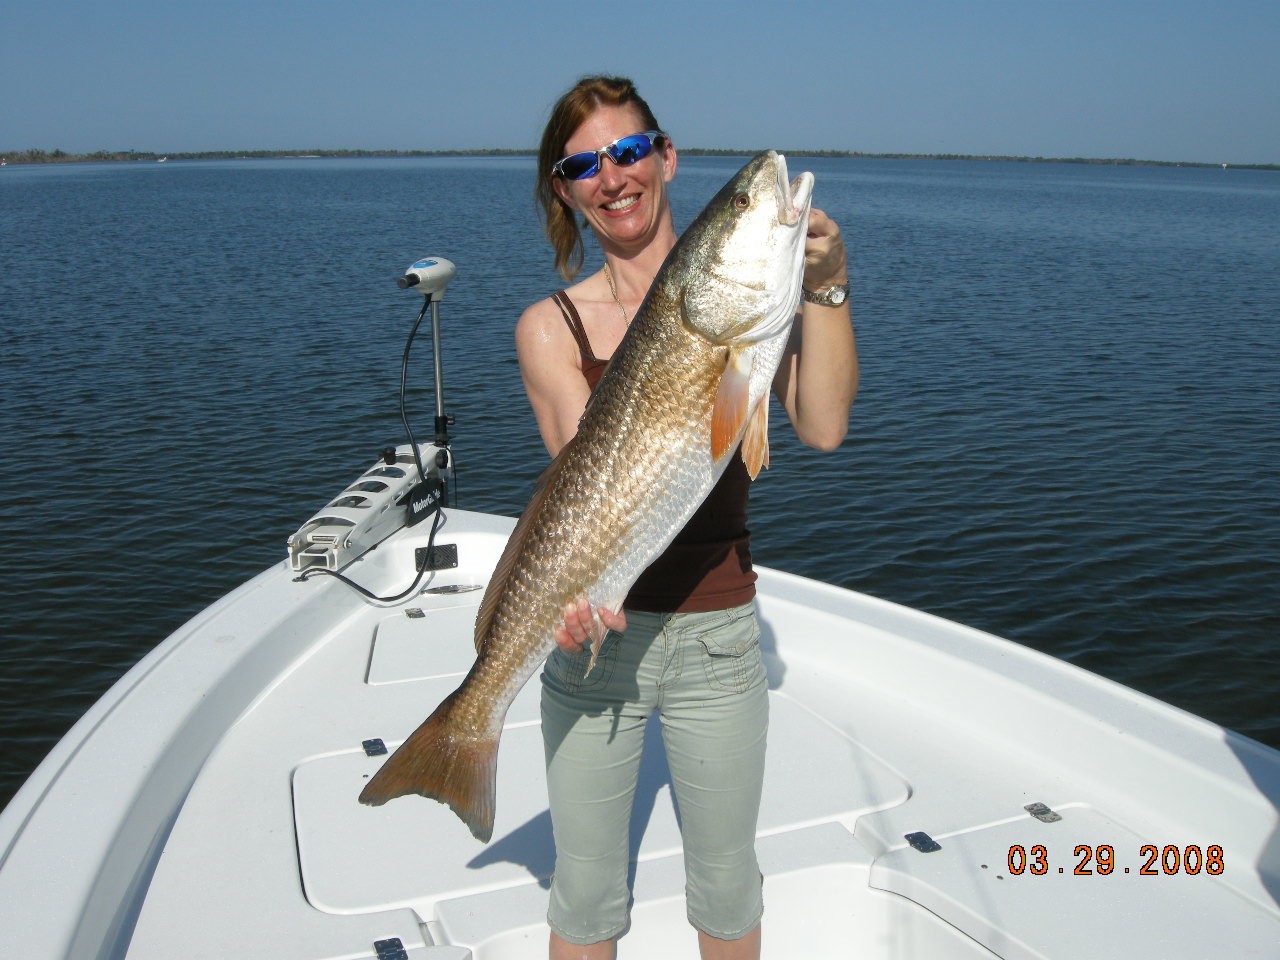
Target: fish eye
742,201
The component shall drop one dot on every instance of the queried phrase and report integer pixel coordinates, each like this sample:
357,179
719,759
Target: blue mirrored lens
628,150
623,152
579,166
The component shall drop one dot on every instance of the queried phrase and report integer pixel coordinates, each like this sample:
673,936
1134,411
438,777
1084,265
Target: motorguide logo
424,500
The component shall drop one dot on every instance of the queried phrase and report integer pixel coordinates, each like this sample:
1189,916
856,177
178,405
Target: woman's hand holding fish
825,263
580,625
818,376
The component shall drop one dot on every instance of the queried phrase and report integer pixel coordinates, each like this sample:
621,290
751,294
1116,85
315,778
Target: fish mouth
794,196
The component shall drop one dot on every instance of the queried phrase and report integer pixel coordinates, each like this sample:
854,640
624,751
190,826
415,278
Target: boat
932,791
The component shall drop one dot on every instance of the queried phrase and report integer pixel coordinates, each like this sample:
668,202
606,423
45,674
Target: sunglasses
624,152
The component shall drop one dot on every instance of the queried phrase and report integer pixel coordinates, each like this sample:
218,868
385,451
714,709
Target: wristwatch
829,297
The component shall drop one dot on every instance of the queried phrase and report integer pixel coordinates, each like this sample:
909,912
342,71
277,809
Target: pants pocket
731,653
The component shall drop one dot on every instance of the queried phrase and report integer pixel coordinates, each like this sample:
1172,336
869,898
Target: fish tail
441,763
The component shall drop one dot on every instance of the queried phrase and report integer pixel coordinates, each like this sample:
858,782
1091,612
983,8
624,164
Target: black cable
426,562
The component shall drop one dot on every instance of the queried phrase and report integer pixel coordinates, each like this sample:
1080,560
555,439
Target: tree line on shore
105,156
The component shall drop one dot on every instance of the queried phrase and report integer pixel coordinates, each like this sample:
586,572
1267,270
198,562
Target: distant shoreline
19,157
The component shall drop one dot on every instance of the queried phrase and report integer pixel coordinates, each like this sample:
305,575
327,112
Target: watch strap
832,296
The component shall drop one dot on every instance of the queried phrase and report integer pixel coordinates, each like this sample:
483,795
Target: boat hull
207,804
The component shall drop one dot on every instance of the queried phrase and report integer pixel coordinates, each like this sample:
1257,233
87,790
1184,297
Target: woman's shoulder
542,320
539,313
559,311
545,332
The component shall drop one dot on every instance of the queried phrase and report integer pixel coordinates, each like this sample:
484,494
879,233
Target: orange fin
755,442
437,763
732,398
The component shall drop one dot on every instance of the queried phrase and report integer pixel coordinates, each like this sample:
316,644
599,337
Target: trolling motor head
428,276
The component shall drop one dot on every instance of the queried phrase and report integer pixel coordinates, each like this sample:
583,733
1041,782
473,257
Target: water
1067,432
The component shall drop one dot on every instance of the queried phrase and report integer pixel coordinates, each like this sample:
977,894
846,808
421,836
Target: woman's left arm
818,375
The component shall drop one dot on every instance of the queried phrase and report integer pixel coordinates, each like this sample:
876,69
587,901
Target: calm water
1068,432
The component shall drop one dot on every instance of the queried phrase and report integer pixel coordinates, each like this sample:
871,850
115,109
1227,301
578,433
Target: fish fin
597,634
515,544
732,398
438,763
755,442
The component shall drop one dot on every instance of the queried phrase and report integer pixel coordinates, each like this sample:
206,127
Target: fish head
745,252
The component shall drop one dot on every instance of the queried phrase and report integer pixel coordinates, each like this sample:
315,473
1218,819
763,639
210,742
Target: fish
686,388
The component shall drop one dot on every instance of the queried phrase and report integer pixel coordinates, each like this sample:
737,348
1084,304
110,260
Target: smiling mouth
623,203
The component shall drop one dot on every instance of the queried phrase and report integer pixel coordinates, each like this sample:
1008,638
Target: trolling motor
408,483
429,277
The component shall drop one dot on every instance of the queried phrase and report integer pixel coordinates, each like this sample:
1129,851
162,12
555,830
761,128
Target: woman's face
625,206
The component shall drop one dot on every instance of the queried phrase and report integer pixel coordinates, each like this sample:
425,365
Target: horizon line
40,156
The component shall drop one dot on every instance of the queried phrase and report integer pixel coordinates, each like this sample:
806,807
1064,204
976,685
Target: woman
691,649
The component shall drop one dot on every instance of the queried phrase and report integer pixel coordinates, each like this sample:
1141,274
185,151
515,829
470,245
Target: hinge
922,841
1042,812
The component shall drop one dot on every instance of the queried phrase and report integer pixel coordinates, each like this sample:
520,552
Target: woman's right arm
552,375
558,394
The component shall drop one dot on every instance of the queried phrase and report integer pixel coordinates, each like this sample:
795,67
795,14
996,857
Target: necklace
608,275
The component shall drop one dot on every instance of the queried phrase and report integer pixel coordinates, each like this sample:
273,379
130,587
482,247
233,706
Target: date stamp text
1100,860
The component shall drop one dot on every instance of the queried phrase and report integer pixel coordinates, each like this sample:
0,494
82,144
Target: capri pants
703,674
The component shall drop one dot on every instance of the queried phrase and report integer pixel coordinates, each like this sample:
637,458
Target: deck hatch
1027,915
415,853
434,642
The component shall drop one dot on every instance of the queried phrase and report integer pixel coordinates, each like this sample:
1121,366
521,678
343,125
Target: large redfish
686,386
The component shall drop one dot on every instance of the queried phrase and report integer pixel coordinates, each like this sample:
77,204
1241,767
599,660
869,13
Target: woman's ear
561,188
669,161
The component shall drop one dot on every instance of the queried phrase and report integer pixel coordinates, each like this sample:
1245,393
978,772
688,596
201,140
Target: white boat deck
884,722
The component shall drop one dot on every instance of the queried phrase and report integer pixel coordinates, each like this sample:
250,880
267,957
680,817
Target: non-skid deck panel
415,852
1045,916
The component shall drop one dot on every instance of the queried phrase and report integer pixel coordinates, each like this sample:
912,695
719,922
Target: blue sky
1172,80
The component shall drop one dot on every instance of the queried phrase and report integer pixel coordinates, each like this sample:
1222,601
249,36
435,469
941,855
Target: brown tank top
708,565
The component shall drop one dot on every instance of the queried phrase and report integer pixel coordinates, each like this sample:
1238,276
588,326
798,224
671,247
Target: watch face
837,296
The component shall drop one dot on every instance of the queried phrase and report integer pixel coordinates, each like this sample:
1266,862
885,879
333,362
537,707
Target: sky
1178,80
